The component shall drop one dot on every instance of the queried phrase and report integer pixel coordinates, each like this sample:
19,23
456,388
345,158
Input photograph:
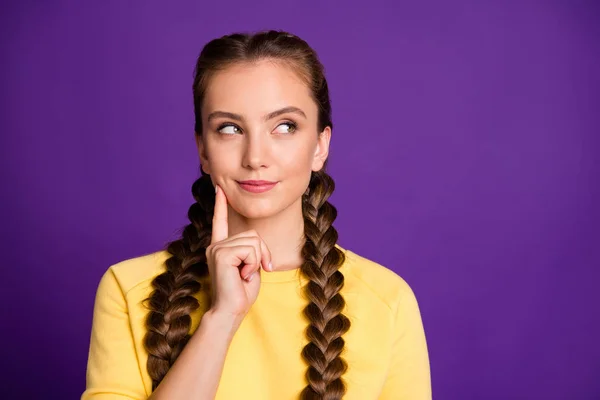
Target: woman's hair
168,321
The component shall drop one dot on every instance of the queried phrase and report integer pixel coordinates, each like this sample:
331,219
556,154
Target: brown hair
168,321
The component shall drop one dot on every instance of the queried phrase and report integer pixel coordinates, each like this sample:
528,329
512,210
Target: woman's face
260,123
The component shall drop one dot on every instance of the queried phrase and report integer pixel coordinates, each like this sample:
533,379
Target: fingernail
216,189
270,266
249,279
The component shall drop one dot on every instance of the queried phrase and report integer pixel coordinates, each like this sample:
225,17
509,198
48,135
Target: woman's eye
229,129
290,127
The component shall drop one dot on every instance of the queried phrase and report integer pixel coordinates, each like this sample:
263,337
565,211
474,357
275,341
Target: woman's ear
322,151
202,153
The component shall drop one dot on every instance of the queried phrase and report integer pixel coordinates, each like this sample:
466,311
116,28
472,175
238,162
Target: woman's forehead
256,89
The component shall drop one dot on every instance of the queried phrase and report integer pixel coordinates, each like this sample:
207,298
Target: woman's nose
256,151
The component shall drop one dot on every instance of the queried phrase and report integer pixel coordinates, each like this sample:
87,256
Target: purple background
465,152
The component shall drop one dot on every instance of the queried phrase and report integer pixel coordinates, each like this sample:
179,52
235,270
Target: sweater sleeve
409,375
113,371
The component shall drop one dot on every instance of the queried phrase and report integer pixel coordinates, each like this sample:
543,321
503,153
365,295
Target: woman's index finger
220,227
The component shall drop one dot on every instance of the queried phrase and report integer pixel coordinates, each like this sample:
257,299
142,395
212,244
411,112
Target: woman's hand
234,264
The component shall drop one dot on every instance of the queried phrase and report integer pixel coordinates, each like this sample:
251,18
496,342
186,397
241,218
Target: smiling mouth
257,186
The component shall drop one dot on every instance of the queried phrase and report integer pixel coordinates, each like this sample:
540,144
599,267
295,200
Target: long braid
324,312
172,301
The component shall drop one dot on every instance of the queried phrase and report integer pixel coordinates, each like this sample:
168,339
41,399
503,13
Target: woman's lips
257,186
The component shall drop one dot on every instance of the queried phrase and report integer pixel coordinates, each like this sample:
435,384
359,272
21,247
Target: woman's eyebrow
285,110
238,117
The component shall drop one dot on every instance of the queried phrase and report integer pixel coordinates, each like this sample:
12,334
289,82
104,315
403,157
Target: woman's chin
257,210
258,213
261,206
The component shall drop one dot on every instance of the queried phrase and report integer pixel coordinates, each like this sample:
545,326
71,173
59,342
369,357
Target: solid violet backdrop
465,152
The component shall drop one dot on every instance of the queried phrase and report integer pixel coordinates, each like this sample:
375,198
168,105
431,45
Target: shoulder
130,273
377,281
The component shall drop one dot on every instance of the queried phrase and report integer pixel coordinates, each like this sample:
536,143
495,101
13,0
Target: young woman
257,300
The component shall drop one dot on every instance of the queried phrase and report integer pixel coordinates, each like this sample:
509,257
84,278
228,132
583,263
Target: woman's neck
283,233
